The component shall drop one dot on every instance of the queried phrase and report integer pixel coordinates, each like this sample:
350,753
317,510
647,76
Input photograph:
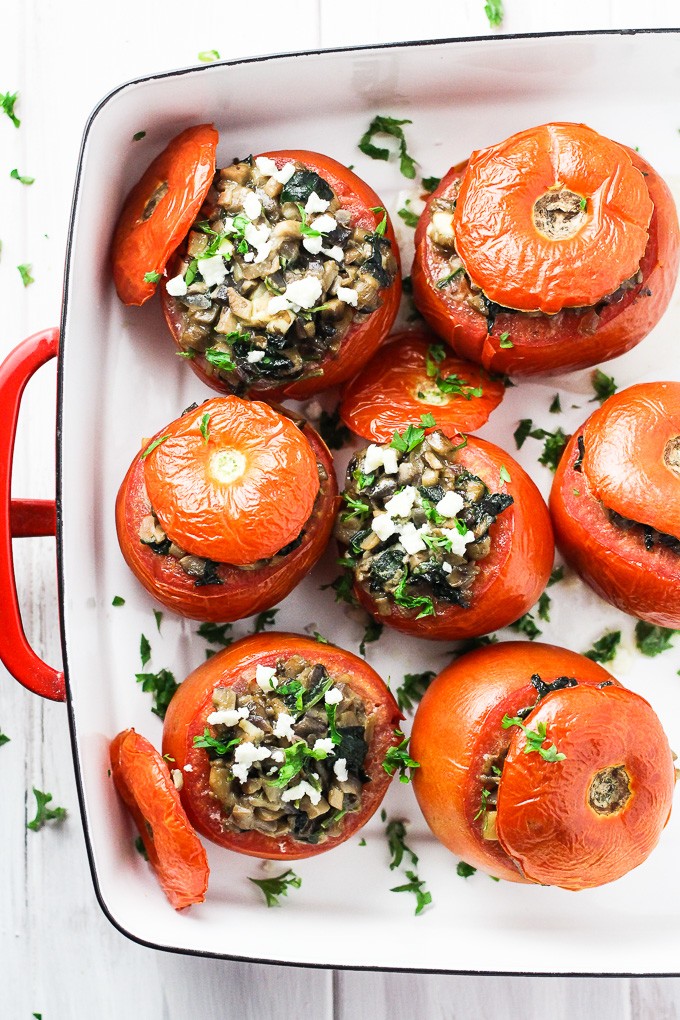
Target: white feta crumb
315,204
213,270
373,458
246,754
458,541
305,292
325,223
284,726
312,244
278,304
254,356
383,526
176,287
257,236
188,768
340,769
227,716
324,744
177,778
285,173
335,252
278,755
249,256
252,206
266,166
401,504
348,295
333,696
411,539
298,792
446,567
390,462
450,504
264,251
265,678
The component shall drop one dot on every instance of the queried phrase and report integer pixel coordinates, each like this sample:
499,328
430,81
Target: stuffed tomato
281,742
615,502
224,511
551,251
536,765
289,279
445,539
414,374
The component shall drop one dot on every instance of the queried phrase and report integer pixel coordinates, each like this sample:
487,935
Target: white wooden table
59,955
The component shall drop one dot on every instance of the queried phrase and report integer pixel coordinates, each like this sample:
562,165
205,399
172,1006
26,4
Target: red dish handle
22,517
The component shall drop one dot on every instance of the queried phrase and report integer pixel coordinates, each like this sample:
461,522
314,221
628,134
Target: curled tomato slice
412,375
232,480
159,211
553,196
175,852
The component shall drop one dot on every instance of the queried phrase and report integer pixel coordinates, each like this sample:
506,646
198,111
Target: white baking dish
119,381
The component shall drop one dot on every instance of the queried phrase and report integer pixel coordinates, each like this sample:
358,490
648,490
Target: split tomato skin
235,667
624,466
511,577
362,338
383,397
144,783
545,345
242,592
144,240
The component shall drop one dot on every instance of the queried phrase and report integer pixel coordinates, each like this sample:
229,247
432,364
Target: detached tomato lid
159,211
232,480
553,217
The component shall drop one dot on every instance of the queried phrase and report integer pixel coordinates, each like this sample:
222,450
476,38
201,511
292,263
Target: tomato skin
242,592
143,781
188,711
140,245
612,561
459,721
549,344
362,339
511,577
381,398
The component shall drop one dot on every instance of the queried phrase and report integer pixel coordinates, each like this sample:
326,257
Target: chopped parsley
214,743
544,607
4,739
162,685
342,586
445,280
554,444
203,427
505,342
603,386
526,625
372,633
396,841
357,508
382,125
25,273
138,135
409,693
422,602
583,203
7,101
158,616
556,575
274,888
152,277
141,849
652,640
117,600
605,648
215,633
144,649
219,359
534,739
407,215
208,56
332,430
431,184
15,175
382,226
555,406
43,812
504,474
295,756
449,383
415,886
267,618
398,759
465,870
152,446
494,12
413,436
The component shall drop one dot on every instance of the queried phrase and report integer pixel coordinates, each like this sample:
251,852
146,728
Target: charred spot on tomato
289,751
609,790
154,198
419,528
275,274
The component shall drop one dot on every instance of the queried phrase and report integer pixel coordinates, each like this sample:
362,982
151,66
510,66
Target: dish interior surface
121,382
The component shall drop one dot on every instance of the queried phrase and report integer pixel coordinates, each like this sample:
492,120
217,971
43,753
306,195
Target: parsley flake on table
534,739
342,586
274,888
652,640
144,649
409,693
407,215
556,575
140,848
555,406
398,759
332,431
158,616
372,632
25,273
526,625
16,176
431,184
267,618
554,442
208,56
7,101
395,831
494,12
544,607
138,135
162,685
117,600
216,633
605,648
44,813
603,386
465,870
4,739
415,886
382,125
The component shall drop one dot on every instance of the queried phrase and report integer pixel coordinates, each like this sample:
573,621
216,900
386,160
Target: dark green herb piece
372,633
422,602
652,640
216,633
413,435
25,273
605,648
208,56
138,135
362,480
396,840
603,385
7,101
441,283
522,432
534,738
494,12
214,743
15,175
465,870
162,685
320,638
203,427
398,759
411,691
43,812
556,575
505,342
332,431
117,600
294,761
4,739
449,383
544,607
274,888
583,203
190,354
555,406
482,804
415,886
158,616
382,125
267,618
407,215
220,359
152,277
333,732
362,842
382,226
504,474
526,625
141,850
342,586
152,446
302,184
144,649
554,444
430,184
357,508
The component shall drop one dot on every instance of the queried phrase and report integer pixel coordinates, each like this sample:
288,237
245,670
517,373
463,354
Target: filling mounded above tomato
276,273
287,751
417,522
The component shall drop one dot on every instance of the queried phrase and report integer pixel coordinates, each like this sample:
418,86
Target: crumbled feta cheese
373,458
284,726
348,295
333,696
442,223
340,769
325,223
188,768
278,755
312,244
177,778
390,462
246,754
265,678
315,204
298,792
278,304
450,504
383,526
324,744
227,716
252,206
411,539
268,167
213,270
249,256
254,356
335,252
176,287
305,292
458,541
446,567
401,504
226,248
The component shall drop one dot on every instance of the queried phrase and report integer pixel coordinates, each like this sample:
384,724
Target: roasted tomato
289,280
414,375
281,741
445,540
145,785
159,211
226,509
537,766
554,250
615,502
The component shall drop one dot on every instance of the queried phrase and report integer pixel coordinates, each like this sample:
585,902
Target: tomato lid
553,217
232,480
632,454
159,211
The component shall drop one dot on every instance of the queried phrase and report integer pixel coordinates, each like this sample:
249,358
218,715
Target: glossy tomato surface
241,591
525,345
630,465
159,211
235,667
510,578
365,334
548,831
145,785
413,375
